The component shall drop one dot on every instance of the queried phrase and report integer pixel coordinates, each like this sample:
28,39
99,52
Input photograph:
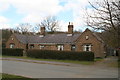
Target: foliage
12,52
6,34
61,55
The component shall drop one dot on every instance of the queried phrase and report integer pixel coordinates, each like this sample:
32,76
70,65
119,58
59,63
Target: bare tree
106,17
50,23
24,28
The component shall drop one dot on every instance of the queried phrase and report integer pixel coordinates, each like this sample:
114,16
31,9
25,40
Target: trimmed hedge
61,55
12,52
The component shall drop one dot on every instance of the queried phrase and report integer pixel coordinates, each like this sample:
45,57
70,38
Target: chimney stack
42,31
70,28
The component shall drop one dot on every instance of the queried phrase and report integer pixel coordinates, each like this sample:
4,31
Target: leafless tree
105,16
50,23
24,28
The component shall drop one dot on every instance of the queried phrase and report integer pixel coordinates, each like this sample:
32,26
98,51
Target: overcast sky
13,12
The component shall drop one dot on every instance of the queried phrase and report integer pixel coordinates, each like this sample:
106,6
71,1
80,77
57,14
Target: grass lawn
65,61
114,64
13,77
98,60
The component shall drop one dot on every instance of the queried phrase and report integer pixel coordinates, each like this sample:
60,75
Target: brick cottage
70,41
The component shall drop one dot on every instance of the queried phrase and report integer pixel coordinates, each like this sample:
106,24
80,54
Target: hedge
12,52
61,55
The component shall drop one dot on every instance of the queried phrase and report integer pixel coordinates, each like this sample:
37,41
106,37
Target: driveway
35,70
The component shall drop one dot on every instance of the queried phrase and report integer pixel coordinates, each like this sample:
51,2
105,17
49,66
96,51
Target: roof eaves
51,43
98,37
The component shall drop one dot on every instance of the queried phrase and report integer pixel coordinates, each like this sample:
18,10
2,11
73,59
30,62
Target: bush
61,55
12,52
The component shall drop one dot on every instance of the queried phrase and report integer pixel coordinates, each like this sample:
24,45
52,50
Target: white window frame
42,46
87,37
73,47
60,47
31,46
12,45
89,46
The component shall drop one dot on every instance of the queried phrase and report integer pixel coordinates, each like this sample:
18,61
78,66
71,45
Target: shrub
12,52
61,55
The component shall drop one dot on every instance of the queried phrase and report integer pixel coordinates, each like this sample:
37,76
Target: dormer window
69,34
87,37
41,36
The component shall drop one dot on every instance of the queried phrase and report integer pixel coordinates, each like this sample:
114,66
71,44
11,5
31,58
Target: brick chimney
42,29
70,28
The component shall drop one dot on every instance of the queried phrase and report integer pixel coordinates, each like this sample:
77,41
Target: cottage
70,41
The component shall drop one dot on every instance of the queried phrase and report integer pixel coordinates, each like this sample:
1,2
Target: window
73,47
31,46
60,47
12,38
87,47
3,45
12,45
86,37
42,46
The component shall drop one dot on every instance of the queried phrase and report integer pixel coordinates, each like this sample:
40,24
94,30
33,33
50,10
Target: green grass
98,59
110,64
114,64
13,77
65,61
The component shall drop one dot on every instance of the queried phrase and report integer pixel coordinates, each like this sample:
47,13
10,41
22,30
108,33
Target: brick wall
13,40
97,46
67,47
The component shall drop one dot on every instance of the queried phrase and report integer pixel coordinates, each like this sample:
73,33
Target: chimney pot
70,28
69,23
42,31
